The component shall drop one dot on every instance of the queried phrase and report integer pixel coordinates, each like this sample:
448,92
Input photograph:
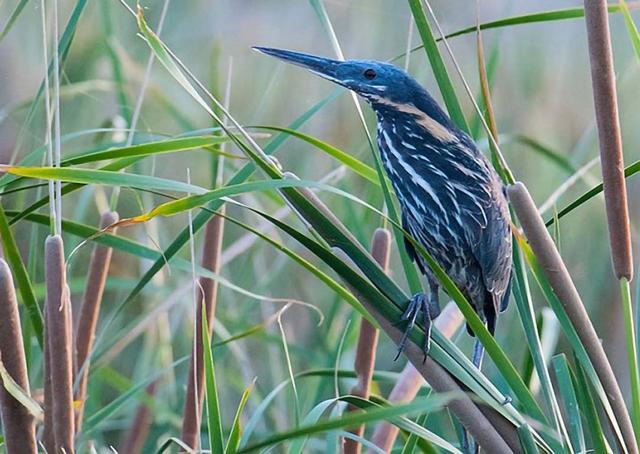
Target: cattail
58,309
89,311
137,434
207,293
556,273
410,380
368,341
18,424
48,438
609,137
463,407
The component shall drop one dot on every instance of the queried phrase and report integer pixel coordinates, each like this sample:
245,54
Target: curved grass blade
524,304
589,410
344,158
212,402
568,393
524,19
591,193
105,177
12,18
547,152
437,64
429,404
233,442
151,148
23,282
632,30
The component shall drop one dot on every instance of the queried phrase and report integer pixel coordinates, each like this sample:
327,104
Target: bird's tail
478,354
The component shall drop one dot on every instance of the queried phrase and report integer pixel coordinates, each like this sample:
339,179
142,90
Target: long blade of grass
233,442
214,423
632,30
629,171
21,276
344,158
106,177
588,407
568,393
369,414
12,18
523,19
437,65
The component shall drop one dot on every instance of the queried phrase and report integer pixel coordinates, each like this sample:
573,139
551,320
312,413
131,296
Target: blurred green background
541,92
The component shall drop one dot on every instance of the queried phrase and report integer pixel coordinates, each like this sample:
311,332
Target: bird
452,201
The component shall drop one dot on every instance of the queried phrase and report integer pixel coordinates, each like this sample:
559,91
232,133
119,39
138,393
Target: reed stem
207,295
89,312
58,308
18,424
556,272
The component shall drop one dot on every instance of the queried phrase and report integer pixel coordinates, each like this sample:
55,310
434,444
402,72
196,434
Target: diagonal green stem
632,354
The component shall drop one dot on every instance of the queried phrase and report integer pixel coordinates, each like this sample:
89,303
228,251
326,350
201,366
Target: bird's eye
369,74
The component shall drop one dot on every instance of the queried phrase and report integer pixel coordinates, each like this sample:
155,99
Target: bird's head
375,81
391,92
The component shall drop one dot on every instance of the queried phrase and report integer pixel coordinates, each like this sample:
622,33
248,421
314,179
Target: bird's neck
417,115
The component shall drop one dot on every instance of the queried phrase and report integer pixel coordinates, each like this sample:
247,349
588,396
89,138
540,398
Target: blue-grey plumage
452,200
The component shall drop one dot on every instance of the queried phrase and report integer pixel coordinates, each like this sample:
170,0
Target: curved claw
430,310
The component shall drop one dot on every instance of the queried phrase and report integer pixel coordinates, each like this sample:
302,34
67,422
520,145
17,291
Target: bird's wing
411,251
493,252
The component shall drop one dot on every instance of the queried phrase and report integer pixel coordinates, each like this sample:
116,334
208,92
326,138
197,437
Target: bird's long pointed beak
323,67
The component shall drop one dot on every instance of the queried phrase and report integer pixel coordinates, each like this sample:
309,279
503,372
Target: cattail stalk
137,434
411,380
609,136
367,341
48,438
207,294
59,339
556,272
441,381
89,311
612,164
18,424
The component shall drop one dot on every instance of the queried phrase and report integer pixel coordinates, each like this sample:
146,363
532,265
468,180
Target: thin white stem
407,56
49,115
227,103
492,139
57,150
140,100
196,329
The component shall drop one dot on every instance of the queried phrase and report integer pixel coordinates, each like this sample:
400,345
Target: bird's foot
430,310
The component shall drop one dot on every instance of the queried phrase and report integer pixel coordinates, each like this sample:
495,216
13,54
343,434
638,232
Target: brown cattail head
556,273
206,302
89,311
611,157
59,339
18,424
367,341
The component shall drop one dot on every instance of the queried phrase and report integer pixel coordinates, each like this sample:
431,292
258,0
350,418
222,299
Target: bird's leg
430,309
